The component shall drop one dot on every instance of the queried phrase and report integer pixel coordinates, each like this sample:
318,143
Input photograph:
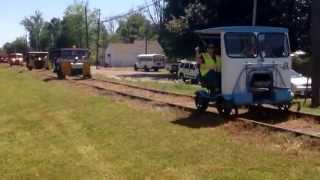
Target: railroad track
185,103
299,131
269,109
143,88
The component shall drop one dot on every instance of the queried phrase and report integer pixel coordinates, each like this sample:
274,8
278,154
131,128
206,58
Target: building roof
69,49
149,55
134,49
37,52
258,29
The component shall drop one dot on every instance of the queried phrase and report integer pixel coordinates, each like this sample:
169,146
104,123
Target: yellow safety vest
209,64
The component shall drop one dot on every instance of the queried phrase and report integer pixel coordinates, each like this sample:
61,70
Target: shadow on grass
74,78
198,121
210,120
267,116
49,79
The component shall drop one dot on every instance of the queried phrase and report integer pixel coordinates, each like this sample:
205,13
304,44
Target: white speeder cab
256,64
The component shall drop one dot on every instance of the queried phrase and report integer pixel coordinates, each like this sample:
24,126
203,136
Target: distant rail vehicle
4,58
16,59
70,62
37,60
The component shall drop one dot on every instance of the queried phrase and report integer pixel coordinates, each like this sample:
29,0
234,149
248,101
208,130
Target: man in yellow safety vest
210,68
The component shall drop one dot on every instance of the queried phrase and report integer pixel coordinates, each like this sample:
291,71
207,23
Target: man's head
211,49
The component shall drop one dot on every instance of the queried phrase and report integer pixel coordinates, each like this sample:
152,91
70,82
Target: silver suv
189,70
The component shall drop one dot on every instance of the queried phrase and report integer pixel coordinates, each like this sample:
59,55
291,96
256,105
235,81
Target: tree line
302,17
79,27
182,17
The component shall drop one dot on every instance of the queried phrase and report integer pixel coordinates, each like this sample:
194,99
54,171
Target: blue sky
13,11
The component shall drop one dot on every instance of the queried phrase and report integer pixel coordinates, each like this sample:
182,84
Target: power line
140,9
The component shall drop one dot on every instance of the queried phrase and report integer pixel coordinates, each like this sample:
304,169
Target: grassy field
176,87
56,131
306,106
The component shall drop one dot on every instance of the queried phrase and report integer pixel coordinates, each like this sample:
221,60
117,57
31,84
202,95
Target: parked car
149,62
189,70
16,59
301,85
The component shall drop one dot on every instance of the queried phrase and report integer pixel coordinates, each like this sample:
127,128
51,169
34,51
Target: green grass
306,106
175,87
181,88
56,131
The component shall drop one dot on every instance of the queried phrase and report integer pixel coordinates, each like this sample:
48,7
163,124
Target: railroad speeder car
256,66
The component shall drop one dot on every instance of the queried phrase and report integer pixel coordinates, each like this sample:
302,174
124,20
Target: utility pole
87,28
146,39
26,41
254,17
98,38
315,41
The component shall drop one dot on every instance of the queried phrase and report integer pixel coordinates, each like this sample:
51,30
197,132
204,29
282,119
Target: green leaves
65,32
135,27
19,45
182,17
34,25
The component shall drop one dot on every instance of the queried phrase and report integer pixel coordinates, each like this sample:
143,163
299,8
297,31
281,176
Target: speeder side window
274,45
241,45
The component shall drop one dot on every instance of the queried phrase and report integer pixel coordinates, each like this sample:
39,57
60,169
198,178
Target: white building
125,54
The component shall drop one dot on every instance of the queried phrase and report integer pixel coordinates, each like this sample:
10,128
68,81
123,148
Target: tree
135,27
315,53
71,30
293,14
181,18
74,25
62,33
34,25
156,14
45,37
111,27
55,31
17,46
